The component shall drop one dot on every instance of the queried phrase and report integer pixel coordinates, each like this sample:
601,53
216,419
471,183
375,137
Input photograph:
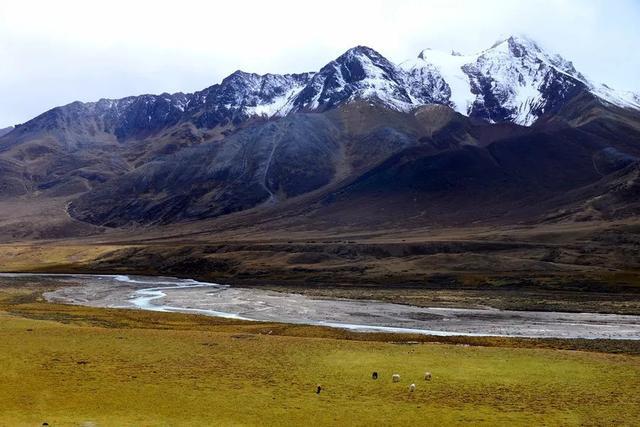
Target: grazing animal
395,378
374,376
318,389
427,376
412,388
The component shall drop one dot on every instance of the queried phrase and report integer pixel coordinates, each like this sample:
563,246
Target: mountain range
512,133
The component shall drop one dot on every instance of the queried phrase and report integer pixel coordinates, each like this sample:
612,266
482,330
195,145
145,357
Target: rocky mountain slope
512,133
6,130
434,166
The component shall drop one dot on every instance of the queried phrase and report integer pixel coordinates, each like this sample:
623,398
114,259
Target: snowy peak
515,80
528,51
517,44
252,94
359,73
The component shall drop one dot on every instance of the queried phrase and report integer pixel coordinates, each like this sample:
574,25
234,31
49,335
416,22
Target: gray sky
56,52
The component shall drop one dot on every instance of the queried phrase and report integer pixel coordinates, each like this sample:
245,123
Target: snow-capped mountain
513,81
360,73
243,95
237,98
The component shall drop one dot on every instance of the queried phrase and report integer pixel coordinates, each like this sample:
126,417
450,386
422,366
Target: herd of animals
395,378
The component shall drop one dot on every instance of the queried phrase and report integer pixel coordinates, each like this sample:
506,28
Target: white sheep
427,376
412,388
395,378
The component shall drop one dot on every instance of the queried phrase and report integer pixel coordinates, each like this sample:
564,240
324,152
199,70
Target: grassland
33,257
69,365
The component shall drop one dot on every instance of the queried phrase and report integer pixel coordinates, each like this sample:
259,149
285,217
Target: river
213,299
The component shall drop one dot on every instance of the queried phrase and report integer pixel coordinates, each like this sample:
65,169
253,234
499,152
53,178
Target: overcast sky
56,52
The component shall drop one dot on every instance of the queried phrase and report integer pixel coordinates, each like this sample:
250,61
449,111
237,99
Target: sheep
427,376
395,378
374,376
412,388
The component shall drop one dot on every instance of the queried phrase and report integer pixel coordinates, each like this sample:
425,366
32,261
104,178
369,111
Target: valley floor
67,365
576,267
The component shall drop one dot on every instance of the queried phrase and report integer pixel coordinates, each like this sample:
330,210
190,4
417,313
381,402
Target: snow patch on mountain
448,68
276,106
619,98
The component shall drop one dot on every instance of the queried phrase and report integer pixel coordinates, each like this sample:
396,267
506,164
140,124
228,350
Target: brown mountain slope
356,166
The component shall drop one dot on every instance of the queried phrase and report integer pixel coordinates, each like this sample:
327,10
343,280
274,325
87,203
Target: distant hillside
6,130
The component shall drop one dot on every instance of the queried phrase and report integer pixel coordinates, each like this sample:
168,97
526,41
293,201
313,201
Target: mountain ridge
499,84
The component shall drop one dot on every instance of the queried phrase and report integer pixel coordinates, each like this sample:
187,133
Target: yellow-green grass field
68,365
